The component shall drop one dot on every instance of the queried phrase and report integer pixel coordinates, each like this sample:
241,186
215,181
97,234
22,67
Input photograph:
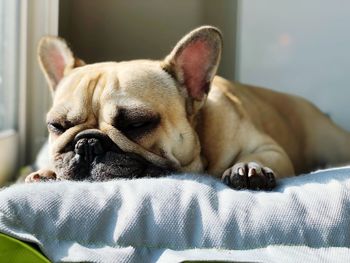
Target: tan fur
235,124
260,117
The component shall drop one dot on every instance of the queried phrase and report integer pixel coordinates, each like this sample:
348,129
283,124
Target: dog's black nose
90,143
88,148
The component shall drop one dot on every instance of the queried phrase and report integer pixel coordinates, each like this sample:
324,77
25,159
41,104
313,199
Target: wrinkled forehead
139,81
124,84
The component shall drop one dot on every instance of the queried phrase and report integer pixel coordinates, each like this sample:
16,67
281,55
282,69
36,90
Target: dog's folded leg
259,170
41,176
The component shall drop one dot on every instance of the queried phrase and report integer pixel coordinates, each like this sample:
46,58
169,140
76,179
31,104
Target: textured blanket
183,217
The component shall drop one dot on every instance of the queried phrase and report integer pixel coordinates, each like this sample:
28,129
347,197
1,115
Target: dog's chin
110,165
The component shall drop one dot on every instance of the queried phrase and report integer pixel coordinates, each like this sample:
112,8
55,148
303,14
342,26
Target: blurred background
293,46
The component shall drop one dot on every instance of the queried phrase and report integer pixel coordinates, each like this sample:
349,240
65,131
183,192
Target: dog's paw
42,175
249,176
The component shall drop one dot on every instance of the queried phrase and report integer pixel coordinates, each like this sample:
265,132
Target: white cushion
183,217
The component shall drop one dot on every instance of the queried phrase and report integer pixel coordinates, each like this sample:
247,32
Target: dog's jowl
151,118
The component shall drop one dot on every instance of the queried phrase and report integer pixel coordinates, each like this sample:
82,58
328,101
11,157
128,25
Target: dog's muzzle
89,144
94,156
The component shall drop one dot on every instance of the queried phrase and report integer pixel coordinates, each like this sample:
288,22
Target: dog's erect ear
195,59
56,59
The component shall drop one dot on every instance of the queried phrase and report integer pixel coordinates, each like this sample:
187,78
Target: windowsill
7,133
9,146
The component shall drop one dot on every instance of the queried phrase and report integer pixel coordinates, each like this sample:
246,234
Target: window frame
19,146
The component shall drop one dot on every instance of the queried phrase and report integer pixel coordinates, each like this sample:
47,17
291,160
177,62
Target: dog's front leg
259,169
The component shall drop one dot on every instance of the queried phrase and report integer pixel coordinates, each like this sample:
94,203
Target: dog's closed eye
58,128
135,124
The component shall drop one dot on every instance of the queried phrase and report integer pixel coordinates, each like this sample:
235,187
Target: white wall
301,47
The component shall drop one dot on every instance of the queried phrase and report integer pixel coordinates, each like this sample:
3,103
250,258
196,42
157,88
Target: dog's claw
249,176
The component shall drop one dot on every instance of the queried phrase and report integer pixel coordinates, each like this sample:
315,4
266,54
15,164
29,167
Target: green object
15,251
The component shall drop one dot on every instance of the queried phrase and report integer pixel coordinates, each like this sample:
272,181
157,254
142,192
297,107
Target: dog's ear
195,59
56,59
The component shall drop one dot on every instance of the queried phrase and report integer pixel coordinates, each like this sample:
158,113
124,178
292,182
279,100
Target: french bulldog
151,118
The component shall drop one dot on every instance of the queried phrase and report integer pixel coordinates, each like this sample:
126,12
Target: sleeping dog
151,118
